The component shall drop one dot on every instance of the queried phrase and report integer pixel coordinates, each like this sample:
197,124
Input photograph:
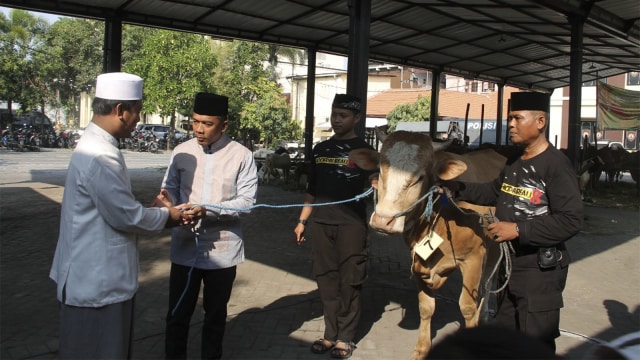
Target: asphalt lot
275,312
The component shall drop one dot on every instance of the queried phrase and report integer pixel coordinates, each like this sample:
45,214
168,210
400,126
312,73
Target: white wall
327,86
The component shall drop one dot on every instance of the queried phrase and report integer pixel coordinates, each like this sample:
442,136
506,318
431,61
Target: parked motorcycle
146,141
10,140
48,139
32,138
13,140
4,138
173,142
67,139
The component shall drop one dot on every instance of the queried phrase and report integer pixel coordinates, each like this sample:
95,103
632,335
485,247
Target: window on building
474,86
487,86
633,78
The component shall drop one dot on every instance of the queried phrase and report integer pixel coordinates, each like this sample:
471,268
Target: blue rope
173,312
429,205
283,206
356,198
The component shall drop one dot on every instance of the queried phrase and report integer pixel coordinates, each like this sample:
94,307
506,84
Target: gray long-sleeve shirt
225,175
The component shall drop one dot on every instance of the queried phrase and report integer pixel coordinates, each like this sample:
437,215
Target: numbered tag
425,247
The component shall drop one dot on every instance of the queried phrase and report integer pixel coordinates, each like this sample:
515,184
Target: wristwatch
303,222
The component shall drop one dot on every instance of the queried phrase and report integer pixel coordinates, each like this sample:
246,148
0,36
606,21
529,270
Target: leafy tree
257,109
21,37
418,111
269,113
241,69
73,58
295,56
174,66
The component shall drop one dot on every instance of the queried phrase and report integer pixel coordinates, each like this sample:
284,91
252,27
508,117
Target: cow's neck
416,225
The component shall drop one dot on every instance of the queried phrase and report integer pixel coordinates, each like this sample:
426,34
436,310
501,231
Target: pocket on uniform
545,290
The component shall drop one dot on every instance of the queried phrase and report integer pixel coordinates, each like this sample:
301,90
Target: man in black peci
538,208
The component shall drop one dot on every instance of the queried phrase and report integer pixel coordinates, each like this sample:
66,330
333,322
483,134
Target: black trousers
339,266
215,296
532,301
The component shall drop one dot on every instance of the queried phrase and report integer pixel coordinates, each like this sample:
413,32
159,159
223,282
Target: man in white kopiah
96,260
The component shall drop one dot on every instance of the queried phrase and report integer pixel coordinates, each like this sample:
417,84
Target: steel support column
435,98
499,114
358,65
575,90
112,57
311,95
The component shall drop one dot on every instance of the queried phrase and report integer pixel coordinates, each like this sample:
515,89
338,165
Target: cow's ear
365,159
448,168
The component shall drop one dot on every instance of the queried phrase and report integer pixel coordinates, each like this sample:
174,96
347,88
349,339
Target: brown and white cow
410,165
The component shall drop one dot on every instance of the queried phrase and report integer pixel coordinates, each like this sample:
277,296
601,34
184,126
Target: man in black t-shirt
339,232
538,206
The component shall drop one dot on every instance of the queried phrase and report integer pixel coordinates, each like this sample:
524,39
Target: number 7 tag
427,245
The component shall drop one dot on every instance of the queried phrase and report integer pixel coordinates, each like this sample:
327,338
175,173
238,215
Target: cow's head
409,165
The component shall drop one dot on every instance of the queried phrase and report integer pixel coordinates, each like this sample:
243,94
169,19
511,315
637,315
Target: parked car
160,130
34,120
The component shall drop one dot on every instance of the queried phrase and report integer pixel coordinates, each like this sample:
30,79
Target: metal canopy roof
523,43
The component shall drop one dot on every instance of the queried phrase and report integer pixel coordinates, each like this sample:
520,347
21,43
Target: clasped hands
183,214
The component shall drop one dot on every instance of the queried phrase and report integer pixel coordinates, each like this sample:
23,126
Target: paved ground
274,312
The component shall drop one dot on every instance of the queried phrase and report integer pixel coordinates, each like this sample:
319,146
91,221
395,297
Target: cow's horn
437,146
380,134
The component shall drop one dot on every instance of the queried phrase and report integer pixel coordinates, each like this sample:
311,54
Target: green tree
174,66
293,55
257,109
21,38
269,113
240,69
418,111
73,59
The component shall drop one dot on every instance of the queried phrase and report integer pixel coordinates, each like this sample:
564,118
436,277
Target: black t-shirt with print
334,178
540,194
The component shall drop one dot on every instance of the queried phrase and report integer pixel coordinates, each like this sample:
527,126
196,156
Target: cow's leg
471,269
427,306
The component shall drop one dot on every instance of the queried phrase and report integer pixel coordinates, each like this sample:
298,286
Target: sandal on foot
342,352
320,346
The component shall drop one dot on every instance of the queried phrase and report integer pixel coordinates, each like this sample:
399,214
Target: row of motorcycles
30,139
146,140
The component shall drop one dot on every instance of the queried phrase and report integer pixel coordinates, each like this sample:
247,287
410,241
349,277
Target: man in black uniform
538,208
339,231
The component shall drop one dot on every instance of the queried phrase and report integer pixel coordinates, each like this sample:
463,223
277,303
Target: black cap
211,104
527,100
344,101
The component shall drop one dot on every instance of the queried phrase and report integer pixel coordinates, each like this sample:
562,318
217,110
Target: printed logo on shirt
332,161
533,195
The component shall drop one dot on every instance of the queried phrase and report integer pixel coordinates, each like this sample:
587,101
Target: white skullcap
119,86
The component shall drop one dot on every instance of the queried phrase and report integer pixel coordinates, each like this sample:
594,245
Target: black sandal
320,346
342,353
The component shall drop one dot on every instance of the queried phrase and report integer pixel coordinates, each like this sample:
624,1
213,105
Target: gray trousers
96,333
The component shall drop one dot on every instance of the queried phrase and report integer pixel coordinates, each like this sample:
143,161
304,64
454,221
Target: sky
49,17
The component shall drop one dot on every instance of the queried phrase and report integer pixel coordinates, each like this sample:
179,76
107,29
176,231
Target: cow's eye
417,181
